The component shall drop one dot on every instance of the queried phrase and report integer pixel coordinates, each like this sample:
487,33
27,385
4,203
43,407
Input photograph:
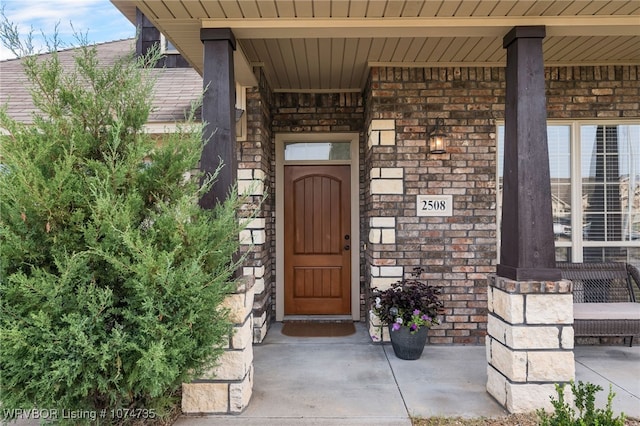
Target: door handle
346,247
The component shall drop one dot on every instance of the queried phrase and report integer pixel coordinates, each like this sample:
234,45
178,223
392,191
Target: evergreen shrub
111,275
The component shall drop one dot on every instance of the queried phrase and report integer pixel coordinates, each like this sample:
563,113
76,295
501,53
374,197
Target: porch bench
604,298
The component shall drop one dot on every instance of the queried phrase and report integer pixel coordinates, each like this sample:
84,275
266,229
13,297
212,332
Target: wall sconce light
437,138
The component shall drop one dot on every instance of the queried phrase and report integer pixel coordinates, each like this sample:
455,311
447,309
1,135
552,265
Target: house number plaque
434,205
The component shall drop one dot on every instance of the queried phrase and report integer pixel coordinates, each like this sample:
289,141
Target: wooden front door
317,240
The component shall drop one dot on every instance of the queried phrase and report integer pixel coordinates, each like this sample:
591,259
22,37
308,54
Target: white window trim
163,47
576,192
241,104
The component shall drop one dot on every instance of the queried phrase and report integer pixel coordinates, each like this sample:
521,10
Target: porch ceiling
329,45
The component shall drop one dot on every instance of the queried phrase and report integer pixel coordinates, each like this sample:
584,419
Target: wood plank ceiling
329,45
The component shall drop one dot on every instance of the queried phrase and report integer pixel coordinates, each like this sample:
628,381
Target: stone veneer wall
227,388
458,252
325,112
256,178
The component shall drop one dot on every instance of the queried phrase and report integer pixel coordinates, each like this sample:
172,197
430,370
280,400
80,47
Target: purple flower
425,317
416,312
396,326
413,327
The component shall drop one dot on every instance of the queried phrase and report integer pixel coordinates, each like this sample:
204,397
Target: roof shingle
174,91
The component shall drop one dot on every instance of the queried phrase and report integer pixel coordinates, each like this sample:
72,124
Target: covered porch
351,381
380,74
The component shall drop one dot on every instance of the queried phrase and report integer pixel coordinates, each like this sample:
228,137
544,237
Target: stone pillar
218,112
529,342
227,388
530,322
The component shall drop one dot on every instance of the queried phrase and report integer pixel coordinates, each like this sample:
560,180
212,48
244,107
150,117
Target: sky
99,20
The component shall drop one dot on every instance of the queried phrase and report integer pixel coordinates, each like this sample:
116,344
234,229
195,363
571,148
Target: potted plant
409,308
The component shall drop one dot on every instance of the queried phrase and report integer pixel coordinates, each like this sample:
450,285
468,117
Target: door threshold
318,318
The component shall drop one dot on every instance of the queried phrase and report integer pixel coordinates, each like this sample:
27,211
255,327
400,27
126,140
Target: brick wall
315,112
458,251
393,116
256,161
606,92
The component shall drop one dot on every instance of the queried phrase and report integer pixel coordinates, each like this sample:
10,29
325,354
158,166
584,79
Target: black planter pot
406,345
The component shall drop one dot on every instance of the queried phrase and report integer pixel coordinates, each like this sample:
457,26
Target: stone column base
215,397
529,342
519,397
227,388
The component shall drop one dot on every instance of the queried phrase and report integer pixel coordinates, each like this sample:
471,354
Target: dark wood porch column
218,112
527,244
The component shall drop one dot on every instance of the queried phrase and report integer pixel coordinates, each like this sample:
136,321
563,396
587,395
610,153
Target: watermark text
57,414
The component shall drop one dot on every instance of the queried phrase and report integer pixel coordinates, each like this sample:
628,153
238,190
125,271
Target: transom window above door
318,151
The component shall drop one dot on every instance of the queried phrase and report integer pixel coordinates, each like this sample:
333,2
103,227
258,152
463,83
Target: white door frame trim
354,139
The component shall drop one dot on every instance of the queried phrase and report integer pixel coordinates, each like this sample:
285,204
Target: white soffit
329,45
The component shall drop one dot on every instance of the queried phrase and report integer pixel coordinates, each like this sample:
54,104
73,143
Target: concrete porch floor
350,380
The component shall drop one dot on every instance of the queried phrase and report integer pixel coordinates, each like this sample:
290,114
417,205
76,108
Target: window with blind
595,190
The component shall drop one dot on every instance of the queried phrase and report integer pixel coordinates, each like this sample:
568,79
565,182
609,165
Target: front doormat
318,329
